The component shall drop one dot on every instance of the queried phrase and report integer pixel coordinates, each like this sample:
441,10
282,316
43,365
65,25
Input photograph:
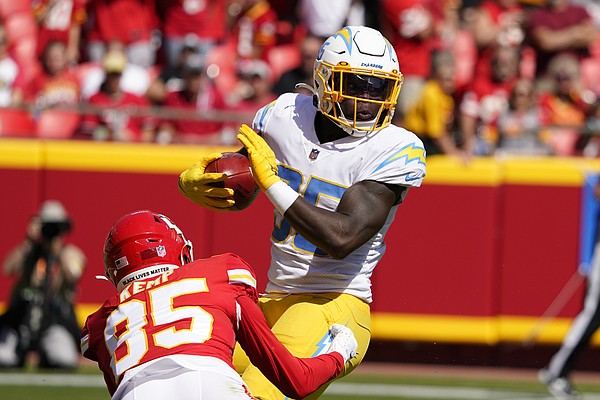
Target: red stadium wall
476,255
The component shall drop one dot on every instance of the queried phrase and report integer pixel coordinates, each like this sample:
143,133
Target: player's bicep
367,204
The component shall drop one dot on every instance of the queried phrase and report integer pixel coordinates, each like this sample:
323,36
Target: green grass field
86,384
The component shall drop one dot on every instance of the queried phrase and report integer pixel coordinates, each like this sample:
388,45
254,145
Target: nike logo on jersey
413,177
408,154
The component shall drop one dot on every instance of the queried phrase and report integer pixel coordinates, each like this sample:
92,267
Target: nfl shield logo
314,154
161,251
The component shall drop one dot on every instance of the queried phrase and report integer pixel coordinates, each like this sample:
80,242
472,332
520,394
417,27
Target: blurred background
104,103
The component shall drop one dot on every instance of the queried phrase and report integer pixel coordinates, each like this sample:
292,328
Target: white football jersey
321,173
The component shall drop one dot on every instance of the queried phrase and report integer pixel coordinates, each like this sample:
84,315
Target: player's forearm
295,377
330,231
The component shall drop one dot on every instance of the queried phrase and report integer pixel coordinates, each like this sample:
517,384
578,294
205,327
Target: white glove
343,341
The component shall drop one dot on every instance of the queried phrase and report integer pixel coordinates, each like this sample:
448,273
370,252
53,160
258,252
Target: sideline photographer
40,316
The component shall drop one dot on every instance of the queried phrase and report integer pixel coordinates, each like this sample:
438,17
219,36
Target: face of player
364,87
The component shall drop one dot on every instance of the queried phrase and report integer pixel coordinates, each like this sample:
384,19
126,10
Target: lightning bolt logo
322,344
263,116
390,50
346,35
408,154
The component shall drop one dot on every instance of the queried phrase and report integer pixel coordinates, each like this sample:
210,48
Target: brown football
238,169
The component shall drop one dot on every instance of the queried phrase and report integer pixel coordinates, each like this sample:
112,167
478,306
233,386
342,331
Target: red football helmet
140,241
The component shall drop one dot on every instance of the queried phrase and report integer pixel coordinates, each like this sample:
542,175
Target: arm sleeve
295,377
85,342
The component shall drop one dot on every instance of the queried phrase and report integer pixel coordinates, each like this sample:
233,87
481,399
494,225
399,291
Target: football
238,169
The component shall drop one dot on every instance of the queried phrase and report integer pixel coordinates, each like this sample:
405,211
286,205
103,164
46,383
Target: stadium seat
563,141
9,7
24,53
283,58
56,124
15,123
220,67
590,74
465,56
21,25
528,63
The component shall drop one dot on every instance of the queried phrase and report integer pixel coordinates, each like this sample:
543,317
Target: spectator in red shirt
56,84
131,22
201,24
495,23
485,99
410,28
255,29
114,111
60,20
198,96
558,28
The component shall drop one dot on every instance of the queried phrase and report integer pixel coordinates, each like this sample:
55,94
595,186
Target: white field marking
64,380
435,392
336,389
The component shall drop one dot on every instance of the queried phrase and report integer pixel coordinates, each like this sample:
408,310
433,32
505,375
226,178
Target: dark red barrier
475,255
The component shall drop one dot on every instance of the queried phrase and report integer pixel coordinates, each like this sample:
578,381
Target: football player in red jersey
171,329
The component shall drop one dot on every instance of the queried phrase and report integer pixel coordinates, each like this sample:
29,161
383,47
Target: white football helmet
357,80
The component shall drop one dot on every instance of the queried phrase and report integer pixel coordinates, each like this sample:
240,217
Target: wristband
282,196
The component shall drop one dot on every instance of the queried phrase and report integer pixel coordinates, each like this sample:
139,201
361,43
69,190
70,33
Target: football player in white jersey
335,170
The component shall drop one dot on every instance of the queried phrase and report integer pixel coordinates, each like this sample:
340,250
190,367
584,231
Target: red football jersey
205,19
61,16
199,309
117,114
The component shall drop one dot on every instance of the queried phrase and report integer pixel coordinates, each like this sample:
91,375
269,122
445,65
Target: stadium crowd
480,77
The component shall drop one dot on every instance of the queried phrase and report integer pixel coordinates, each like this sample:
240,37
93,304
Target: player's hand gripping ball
239,178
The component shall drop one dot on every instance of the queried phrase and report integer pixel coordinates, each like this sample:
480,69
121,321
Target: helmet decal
346,35
121,262
390,50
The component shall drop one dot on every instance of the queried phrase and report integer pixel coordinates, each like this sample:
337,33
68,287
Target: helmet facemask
358,101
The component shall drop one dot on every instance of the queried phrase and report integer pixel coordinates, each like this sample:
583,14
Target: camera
50,230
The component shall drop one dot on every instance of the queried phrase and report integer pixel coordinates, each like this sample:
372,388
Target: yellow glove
197,186
264,165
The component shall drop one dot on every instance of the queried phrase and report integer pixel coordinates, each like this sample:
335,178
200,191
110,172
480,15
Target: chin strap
311,89
306,86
